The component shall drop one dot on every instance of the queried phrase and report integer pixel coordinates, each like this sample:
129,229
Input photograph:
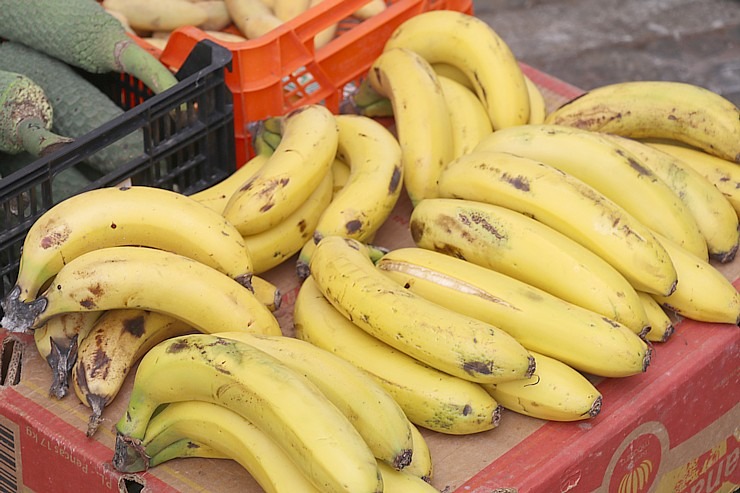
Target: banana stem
135,60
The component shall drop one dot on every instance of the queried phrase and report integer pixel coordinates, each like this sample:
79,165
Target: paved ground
593,42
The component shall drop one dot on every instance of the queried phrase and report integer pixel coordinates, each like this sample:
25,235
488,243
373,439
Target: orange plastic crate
281,70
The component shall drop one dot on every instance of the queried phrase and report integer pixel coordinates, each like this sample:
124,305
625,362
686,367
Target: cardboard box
672,429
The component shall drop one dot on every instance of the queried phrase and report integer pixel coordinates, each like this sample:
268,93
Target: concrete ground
589,43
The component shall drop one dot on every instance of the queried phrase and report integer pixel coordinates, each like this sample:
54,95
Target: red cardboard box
671,429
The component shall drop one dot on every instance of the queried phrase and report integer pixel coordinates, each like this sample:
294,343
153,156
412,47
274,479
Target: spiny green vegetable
25,117
79,107
83,34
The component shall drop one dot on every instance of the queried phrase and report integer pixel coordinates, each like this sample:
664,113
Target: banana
395,481
117,341
430,398
252,17
301,160
468,117
537,104
442,338
272,247
57,342
279,401
138,215
366,404
452,72
556,392
421,117
421,458
661,325
370,9
717,220
703,293
216,196
267,293
566,204
608,168
541,322
372,189
340,171
149,279
286,10
723,174
218,429
520,247
658,109
471,45
185,448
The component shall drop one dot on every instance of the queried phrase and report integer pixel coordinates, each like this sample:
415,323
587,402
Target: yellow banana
421,117
270,248
216,196
185,448
252,17
703,293
216,429
372,411
340,171
361,207
723,174
520,247
661,325
282,403
421,459
149,279
556,392
57,342
541,322
370,9
608,168
658,109
471,45
267,293
117,341
395,481
286,10
717,220
142,216
451,342
566,204
468,117
430,398
537,105
301,160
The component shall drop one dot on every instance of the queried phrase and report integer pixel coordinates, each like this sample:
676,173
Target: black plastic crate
187,133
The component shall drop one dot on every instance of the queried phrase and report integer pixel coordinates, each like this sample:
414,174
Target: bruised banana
138,215
216,196
57,342
658,109
441,338
374,184
430,398
315,435
117,341
541,322
421,117
661,325
371,410
566,204
468,117
556,392
219,430
703,293
471,45
608,168
149,279
301,160
518,246
270,248
717,220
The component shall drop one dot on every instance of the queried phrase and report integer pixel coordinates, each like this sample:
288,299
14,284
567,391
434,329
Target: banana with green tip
138,215
608,168
661,325
516,245
556,392
430,398
468,117
105,357
279,401
301,160
471,45
541,322
372,411
374,184
441,338
566,204
421,117
149,279
658,109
